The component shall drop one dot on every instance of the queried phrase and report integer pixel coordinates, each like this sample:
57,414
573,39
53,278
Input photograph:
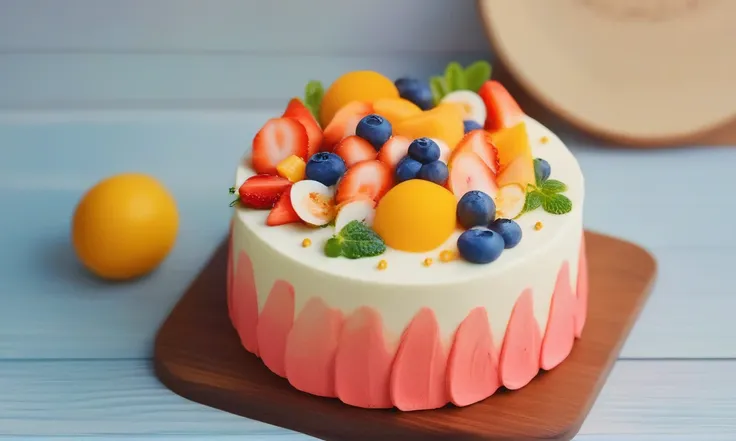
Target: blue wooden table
177,90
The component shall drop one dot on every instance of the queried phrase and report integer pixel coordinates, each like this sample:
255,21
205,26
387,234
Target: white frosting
451,289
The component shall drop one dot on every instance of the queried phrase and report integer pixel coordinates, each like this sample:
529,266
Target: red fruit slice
278,139
344,122
393,150
354,149
469,172
283,212
479,142
502,110
262,191
368,178
297,110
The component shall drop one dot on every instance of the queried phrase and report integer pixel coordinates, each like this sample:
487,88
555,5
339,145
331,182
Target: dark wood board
198,356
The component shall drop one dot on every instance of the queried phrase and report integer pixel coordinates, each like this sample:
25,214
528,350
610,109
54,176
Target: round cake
407,244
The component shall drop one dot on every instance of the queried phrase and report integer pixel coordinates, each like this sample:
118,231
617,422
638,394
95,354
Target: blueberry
542,169
374,129
416,91
424,150
325,167
475,209
509,230
407,169
436,172
471,125
480,245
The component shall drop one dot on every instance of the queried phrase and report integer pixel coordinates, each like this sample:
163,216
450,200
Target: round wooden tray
640,72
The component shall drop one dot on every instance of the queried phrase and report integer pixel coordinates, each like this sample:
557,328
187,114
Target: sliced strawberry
344,122
393,150
278,139
502,110
262,191
479,142
283,212
469,172
368,178
354,149
297,110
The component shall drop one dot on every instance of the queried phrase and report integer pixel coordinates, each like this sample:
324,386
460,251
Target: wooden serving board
198,355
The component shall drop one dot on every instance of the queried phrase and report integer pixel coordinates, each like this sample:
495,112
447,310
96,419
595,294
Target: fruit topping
445,151
283,212
394,151
444,122
416,216
261,191
480,143
520,171
416,91
375,129
354,149
362,210
436,172
424,150
297,110
408,168
509,231
292,168
325,168
502,110
510,201
471,103
458,78
512,143
363,85
313,202
480,245
469,172
475,209
471,125
278,139
368,178
542,170
355,240
395,109
344,123
546,193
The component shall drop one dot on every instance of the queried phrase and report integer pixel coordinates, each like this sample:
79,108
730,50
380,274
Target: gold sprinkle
306,242
538,226
382,265
427,261
448,255
544,140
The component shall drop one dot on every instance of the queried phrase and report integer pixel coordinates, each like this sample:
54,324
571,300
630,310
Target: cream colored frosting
450,289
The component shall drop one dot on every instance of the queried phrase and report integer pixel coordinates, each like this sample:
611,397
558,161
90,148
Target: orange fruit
395,109
444,122
124,226
362,85
512,143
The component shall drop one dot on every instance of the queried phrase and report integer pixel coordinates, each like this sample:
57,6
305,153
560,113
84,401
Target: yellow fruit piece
520,171
124,226
363,85
292,168
512,143
395,109
444,122
416,216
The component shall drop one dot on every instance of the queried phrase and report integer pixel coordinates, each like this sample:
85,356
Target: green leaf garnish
532,202
455,77
553,186
476,74
313,93
556,204
354,241
437,86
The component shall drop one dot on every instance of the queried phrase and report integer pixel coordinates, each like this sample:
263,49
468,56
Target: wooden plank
642,401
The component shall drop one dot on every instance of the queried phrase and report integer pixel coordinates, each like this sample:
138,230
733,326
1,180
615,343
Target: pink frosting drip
472,368
229,281
245,303
363,363
418,377
274,326
560,334
311,348
519,361
581,307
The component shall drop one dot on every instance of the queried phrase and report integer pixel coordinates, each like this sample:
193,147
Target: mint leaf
476,74
354,241
313,93
455,77
438,88
533,201
552,186
556,204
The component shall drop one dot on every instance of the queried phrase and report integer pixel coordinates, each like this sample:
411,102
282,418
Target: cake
407,244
